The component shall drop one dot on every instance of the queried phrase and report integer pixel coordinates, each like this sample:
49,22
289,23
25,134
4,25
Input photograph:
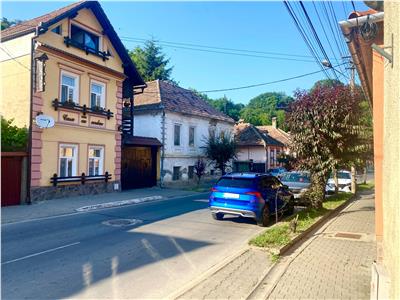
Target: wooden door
11,171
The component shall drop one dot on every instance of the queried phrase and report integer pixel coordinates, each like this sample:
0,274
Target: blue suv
250,195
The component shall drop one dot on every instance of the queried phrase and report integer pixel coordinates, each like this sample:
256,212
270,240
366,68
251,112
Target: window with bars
68,160
96,160
176,175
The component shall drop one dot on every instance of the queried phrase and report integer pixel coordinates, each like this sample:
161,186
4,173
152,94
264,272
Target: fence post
83,178
54,178
106,174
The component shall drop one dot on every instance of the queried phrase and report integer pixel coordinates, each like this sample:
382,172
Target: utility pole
353,168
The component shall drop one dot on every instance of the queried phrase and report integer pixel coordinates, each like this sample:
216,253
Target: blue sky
255,26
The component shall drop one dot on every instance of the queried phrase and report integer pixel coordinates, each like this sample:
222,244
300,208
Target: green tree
13,138
262,108
220,149
151,62
5,23
326,133
327,83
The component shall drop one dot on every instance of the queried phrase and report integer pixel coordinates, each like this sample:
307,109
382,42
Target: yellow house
70,67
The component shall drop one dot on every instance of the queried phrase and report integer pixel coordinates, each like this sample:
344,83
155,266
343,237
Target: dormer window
85,38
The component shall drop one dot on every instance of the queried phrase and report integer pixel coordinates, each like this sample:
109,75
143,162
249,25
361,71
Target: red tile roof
247,134
30,25
176,99
276,133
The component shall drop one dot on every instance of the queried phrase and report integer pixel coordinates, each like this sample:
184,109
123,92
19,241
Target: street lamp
328,64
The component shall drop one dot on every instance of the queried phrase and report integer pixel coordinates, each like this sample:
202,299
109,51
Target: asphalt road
168,244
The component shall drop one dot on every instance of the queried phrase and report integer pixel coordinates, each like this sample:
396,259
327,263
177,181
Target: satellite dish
43,121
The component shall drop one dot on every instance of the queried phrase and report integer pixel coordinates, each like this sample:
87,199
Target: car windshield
295,177
344,175
236,182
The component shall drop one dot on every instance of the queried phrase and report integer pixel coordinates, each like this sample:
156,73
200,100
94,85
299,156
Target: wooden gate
139,167
11,177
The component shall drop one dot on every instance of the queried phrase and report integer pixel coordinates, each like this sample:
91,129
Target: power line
6,52
228,53
247,86
304,36
216,47
317,37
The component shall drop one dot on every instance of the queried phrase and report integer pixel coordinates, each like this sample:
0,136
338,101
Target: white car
344,181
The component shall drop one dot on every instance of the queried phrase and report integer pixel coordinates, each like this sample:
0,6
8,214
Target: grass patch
281,234
365,186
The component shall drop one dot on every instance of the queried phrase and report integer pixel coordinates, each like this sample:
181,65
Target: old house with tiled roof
277,133
258,150
182,121
65,77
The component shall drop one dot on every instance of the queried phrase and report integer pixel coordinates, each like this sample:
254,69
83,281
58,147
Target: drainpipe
29,167
347,27
163,146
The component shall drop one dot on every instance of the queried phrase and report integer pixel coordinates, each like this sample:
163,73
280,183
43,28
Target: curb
211,271
297,242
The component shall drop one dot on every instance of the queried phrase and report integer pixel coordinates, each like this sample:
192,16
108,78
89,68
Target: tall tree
151,62
220,149
327,83
13,138
262,108
326,133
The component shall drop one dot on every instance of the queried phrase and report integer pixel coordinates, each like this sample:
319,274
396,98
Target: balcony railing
82,179
84,109
70,42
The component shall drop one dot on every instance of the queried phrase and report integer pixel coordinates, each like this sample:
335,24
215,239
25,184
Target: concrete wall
256,153
15,80
391,161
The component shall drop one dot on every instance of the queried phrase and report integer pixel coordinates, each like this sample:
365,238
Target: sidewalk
56,207
335,263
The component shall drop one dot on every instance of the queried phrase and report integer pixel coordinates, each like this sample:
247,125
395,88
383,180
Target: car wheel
217,216
290,208
263,221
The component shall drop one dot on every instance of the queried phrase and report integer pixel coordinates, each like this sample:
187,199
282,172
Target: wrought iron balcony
84,109
70,42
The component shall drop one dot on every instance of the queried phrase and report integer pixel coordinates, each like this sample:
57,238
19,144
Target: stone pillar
36,142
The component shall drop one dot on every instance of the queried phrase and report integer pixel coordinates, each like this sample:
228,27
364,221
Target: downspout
29,167
347,27
163,145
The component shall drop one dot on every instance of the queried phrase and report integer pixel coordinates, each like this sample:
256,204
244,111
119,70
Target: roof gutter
347,27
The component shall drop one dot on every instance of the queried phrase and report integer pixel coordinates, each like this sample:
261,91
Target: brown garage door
138,167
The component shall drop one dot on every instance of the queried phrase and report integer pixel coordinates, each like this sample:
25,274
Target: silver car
297,181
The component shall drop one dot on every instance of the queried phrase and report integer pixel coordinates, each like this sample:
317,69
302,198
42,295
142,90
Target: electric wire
13,58
303,35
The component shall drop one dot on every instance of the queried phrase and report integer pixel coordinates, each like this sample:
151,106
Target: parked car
298,183
277,172
344,182
250,195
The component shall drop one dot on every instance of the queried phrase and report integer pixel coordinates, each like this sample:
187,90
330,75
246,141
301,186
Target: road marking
39,253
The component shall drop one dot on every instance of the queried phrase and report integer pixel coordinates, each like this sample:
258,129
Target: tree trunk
365,175
353,179
317,190
335,178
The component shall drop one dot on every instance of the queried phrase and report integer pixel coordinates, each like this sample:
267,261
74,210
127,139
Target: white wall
256,153
148,125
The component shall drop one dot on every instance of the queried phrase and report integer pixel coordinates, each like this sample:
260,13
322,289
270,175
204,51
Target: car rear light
213,189
257,194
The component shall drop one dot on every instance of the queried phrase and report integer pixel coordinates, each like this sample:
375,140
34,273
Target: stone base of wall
71,190
205,181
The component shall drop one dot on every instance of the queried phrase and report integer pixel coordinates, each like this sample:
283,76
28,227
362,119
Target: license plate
231,195
296,196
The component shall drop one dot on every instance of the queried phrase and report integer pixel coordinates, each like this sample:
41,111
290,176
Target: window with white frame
97,94
69,87
96,160
68,160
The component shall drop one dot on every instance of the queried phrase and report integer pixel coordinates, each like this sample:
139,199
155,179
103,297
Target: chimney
274,122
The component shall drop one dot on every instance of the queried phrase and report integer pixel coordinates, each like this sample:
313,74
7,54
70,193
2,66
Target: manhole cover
122,222
348,235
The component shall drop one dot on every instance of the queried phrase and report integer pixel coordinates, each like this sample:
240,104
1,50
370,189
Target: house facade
65,77
257,150
377,61
182,121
